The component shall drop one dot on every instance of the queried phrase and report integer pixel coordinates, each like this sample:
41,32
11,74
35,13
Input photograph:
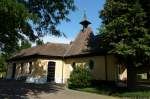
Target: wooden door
51,72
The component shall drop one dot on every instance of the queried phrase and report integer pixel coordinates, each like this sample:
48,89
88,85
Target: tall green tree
21,19
125,34
13,25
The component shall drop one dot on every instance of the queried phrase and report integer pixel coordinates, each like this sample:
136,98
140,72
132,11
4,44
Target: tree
49,14
25,44
13,25
21,19
146,6
125,34
39,42
2,63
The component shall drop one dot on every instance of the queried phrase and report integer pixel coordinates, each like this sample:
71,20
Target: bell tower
85,22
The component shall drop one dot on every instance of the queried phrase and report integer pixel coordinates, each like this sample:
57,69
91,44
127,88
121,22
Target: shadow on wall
19,90
39,69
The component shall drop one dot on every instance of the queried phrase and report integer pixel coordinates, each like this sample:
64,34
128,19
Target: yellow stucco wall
111,68
58,68
19,73
39,69
98,72
63,68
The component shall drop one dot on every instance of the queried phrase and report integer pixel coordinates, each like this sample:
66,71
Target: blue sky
72,28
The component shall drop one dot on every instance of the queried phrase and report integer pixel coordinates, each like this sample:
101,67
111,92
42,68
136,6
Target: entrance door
13,70
51,72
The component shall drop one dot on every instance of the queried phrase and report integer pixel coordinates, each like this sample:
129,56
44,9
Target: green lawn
120,92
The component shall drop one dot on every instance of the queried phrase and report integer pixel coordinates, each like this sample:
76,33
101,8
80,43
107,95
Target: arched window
91,64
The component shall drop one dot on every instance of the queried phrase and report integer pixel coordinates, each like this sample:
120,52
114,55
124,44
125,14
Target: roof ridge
57,43
67,51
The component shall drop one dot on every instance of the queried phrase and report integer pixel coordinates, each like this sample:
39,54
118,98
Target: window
21,67
73,65
30,67
91,64
142,76
121,73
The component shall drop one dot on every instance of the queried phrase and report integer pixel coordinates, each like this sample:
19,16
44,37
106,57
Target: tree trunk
131,76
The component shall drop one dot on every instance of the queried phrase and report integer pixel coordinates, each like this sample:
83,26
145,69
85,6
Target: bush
79,78
22,78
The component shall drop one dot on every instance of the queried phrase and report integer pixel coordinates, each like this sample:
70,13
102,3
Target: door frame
51,66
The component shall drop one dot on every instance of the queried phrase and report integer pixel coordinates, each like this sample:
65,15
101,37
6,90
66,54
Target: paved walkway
70,94
20,90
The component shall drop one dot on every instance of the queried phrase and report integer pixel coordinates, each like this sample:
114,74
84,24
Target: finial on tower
85,22
84,17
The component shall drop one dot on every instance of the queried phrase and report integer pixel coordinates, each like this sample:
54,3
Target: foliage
49,13
2,63
125,32
13,25
2,74
79,78
2,66
29,19
39,42
24,45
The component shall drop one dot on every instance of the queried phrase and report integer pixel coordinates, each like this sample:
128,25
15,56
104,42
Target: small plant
79,78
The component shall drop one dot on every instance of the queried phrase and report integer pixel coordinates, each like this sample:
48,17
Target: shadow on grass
113,90
19,90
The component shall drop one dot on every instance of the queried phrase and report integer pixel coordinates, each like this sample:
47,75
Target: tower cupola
85,22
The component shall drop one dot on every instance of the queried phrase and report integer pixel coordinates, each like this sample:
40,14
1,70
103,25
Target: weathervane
85,17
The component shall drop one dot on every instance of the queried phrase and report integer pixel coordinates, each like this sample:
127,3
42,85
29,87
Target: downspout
62,71
106,68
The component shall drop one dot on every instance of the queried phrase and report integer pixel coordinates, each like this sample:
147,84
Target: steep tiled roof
85,43
81,45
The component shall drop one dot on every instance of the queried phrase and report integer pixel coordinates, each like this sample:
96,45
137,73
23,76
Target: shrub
79,78
22,78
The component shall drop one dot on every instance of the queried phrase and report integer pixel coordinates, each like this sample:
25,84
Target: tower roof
85,21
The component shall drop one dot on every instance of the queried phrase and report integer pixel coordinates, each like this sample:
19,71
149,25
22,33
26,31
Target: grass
117,92
134,94
94,90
